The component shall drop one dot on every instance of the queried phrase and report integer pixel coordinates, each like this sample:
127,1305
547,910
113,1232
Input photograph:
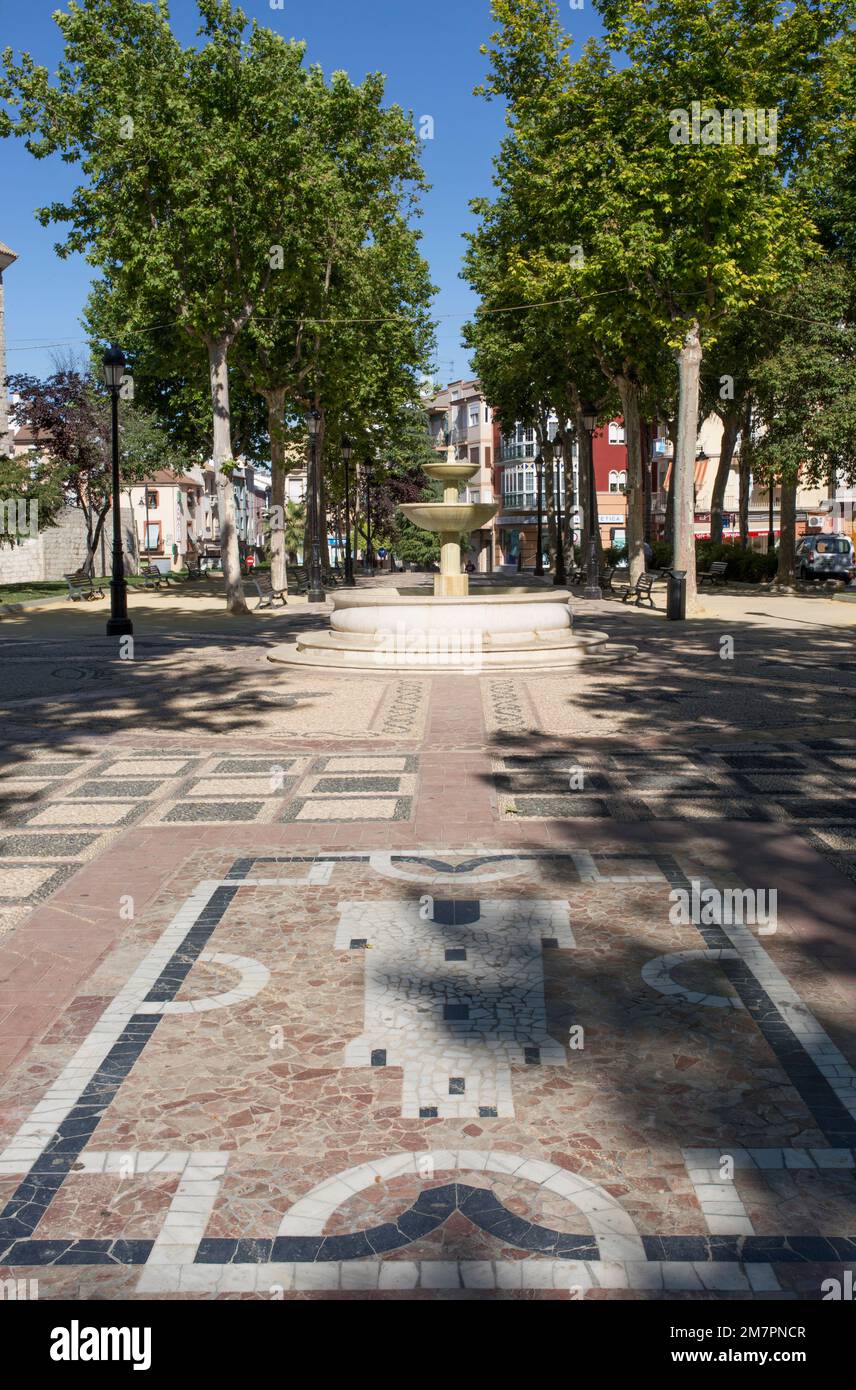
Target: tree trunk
672,429
646,479
730,430
229,556
93,538
745,478
689,366
786,573
550,503
275,401
629,393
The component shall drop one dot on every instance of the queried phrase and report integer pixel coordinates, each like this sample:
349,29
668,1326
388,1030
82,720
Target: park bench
269,597
716,574
296,578
194,566
641,590
82,585
576,574
153,578
606,579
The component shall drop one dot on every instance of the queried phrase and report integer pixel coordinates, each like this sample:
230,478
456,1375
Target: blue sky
430,53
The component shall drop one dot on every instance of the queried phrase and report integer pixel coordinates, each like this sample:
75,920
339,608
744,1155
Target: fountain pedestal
450,519
451,631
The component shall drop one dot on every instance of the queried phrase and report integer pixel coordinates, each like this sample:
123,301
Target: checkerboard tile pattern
809,785
345,787
57,813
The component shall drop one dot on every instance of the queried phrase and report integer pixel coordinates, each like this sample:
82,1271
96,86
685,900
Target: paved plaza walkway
379,985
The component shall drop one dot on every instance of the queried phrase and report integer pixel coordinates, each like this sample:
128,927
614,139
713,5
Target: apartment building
460,415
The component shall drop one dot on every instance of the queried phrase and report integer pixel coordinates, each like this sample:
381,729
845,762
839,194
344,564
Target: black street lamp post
560,577
539,475
592,589
118,624
368,555
315,589
350,581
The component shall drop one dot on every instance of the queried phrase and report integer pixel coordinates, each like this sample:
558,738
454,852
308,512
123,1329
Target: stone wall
62,548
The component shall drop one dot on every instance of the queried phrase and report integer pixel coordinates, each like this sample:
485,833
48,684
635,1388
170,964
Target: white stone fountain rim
384,598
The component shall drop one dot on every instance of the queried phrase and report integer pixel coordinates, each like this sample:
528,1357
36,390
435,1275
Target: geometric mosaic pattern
57,813
542,1202
810,786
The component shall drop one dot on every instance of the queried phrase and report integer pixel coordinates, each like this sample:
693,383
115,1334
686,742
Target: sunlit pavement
383,987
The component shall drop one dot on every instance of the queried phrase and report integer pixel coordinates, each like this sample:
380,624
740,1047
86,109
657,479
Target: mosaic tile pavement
809,785
432,1070
56,814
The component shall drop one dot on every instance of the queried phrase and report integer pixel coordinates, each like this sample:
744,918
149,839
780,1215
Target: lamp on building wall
118,624
592,589
315,591
560,577
347,450
539,481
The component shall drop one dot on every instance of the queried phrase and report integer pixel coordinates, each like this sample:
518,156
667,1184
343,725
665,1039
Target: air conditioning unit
815,523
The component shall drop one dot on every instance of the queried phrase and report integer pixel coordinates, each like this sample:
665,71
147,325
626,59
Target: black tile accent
456,912
428,1112
78,1252
379,1057
532,1056
830,1115
456,1013
456,953
487,1112
34,1194
359,943
549,943
457,1086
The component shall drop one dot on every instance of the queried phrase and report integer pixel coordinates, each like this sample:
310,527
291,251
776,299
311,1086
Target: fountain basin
385,630
449,518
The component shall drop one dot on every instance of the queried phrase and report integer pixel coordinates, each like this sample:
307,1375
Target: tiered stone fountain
494,629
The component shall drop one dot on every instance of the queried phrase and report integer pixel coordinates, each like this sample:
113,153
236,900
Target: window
153,536
622,481
487,414
487,456
474,455
616,433
613,481
152,497
474,415
518,486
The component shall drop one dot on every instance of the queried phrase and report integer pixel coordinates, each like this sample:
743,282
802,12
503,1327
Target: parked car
823,556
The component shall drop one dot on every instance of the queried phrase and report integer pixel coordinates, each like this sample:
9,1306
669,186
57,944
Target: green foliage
746,566
31,481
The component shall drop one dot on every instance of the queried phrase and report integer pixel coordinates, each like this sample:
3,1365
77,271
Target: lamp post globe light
314,589
347,451
539,476
118,624
560,576
592,589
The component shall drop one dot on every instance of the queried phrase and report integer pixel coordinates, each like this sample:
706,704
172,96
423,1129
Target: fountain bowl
488,632
449,518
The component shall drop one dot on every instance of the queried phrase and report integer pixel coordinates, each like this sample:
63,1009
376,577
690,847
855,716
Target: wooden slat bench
296,577
82,586
153,579
716,574
641,590
269,597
